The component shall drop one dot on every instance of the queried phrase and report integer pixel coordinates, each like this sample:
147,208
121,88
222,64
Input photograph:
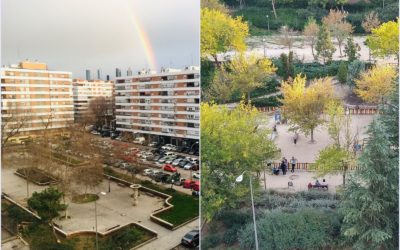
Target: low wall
54,180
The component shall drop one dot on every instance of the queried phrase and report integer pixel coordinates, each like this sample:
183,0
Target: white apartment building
84,91
161,107
43,97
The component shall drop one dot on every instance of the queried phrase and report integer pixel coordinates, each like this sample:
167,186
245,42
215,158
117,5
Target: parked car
157,157
191,239
148,171
176,161
196,193
139,140
169,168
182,163
153,144
196,186
195,167
188,166
188,183
105,133
94,132
163,159
196,175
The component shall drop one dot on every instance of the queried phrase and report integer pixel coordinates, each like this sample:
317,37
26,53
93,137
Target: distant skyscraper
88,76
99,74
118,72
108,77
129,72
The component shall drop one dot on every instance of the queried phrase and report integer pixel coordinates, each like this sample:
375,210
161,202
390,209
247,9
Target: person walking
285,165
295,137
293,161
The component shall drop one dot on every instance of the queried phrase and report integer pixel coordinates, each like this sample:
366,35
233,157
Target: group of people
284,166
318,184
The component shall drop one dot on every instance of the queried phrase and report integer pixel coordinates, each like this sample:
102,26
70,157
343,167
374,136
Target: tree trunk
273,8
340,47
344,178
248,97
312,51
216,61
312,136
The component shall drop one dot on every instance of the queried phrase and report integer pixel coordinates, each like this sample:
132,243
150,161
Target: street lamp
109,184
240,179
267,16
263,40
95,216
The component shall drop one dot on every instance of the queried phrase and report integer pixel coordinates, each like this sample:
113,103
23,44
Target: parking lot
162,165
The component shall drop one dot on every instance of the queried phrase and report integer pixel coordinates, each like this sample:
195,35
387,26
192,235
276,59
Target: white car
196,175
153,144
148,171
176,162
188,166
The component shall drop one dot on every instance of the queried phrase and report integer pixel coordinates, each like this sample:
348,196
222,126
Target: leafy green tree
342,72
232,142
370,201
288,65
351,49
355,68
220,33
324,46
340,156
376,84
303,107
246,73
384,40
215,5
46,203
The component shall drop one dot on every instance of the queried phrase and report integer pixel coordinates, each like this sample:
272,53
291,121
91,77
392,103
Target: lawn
186,207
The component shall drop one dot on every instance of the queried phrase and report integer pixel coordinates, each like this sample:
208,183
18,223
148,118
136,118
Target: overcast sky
75,35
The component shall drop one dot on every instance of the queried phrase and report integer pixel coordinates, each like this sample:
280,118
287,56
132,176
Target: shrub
267,102
306,229
342,72
230,236
210,241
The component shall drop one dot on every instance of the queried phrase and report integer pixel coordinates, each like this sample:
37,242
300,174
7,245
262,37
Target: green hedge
267,102
306,229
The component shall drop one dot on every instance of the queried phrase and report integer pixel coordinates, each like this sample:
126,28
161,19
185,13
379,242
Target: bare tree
102,110
311,33
371,21
287,36
338,26
273,8
14,118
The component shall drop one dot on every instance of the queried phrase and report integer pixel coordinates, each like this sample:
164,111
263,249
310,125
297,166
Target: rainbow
145,41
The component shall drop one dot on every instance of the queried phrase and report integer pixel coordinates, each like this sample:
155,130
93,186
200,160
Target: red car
195,185
169,168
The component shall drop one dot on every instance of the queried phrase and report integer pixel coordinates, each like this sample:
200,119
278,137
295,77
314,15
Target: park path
305,151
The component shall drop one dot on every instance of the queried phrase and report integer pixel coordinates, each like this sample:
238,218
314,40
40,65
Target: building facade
85,91
35,99
161,107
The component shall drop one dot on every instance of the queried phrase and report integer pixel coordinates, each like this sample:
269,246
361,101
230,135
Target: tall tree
231,143
246,73
338,26
351,49
303,107
384,40
324,46
376,84
354,70
370,200
220,33
215,5
341,155
310,32
101,109
370,22
220,90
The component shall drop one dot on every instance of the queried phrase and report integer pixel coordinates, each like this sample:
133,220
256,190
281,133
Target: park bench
319,186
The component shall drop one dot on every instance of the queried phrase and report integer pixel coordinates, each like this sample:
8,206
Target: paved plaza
113,209
304,151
